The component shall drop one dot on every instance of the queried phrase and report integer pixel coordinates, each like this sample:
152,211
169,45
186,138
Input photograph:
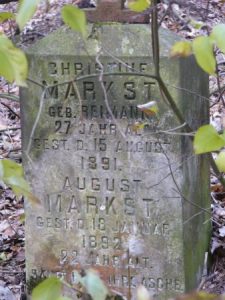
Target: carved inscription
151,283
56,69
102,209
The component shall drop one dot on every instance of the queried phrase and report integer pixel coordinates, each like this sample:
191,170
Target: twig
203,282
192,217
216,170
219,85
10,109
179,190
188,91
10,272
155,38
7,129
205,14
9,97
105,94
178,133
36,121
129,276
165,14
79,97
168,174
165,91
217,90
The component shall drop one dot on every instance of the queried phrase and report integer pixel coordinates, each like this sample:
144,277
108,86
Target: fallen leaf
222,231
150,108
4,225
215,245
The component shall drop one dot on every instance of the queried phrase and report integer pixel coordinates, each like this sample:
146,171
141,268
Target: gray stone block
109,201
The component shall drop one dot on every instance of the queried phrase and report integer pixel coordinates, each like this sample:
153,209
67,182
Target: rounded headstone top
119,39
114,11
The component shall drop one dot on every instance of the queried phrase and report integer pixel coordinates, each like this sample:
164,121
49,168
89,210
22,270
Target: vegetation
14,68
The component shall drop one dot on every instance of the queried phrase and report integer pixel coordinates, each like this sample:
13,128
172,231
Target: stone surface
109,201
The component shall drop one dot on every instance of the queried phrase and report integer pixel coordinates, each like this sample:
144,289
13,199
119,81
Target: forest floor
184,19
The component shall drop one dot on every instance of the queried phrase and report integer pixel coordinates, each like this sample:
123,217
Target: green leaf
196,24
75,18
138,126
220,161
143,293
22,218
26,10
6,15
182,49
13,62
218,35
9,167
203,50
207,139
150,108
139,5
49,289
93,284
3,256
63,298
11,174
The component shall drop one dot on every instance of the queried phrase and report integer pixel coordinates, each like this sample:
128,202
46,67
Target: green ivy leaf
139,5
75,18
207,139
220,161
13,64
203,50
11,174
218,35
6,15
26,10
49,289
182,49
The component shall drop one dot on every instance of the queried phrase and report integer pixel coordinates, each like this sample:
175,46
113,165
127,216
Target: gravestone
120,192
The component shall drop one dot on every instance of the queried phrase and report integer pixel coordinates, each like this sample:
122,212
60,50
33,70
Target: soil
186,18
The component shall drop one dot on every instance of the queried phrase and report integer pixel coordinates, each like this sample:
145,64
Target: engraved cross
114,11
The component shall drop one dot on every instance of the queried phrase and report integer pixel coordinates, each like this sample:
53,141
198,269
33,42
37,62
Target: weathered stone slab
109,201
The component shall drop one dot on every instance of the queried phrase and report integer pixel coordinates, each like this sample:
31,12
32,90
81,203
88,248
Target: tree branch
165,91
